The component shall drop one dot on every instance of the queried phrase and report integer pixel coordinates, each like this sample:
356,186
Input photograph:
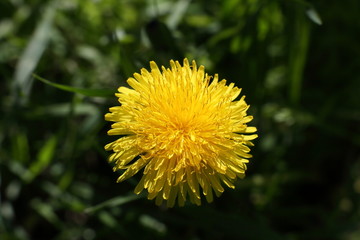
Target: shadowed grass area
296,61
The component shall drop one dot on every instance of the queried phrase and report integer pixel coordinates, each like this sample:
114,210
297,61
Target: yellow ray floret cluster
185,129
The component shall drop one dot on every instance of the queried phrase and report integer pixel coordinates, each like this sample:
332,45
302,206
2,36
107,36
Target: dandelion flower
185,129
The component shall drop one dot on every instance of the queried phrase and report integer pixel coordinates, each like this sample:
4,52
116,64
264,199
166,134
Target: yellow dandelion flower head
185,129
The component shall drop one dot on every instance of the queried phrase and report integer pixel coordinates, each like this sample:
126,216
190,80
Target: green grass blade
298,54
314,16
116,201
32,54
83,91
44,157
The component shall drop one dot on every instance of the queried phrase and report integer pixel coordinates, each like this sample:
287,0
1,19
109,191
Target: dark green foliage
297,62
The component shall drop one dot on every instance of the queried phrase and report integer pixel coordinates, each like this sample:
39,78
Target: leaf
117,201
83,91
43,159
314,16
46,211
177,13
152,223
20,147
107,219
298,55
33,52
310,11
63,109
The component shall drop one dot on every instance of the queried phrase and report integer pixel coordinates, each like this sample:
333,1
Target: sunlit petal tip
121,178
154,66
109,146
121,89
108,117
250,130
185,128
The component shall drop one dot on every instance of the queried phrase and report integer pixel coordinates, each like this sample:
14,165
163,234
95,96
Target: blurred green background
297,62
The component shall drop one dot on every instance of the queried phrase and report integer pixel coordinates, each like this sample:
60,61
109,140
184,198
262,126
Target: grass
300,78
